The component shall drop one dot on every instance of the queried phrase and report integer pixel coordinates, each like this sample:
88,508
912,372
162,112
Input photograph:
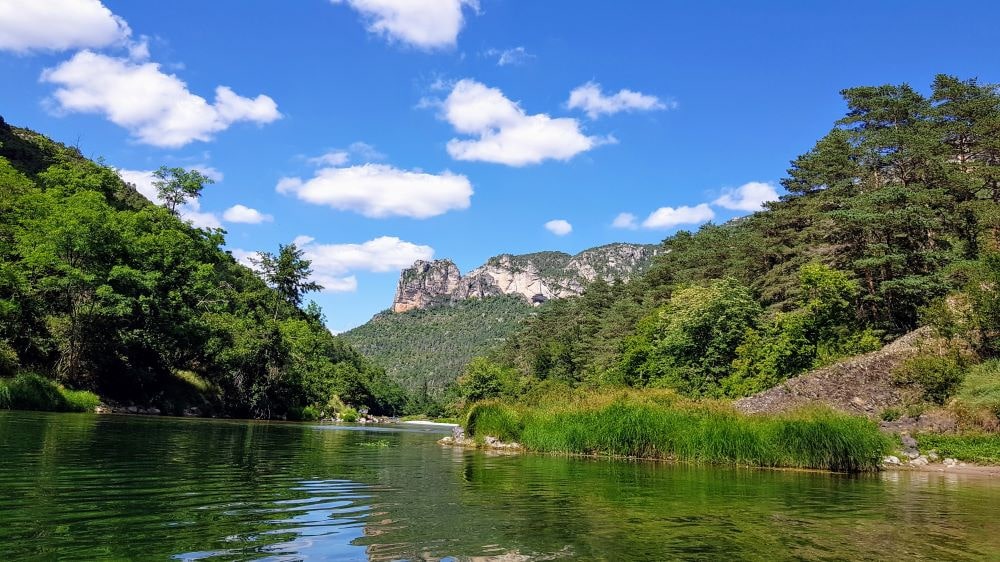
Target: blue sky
378,131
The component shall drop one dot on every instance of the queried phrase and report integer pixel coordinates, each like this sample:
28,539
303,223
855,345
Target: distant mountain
440,319
536,277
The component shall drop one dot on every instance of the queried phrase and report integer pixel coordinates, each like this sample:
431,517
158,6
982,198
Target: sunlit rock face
536,277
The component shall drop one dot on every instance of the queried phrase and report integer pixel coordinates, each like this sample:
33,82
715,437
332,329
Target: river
86,487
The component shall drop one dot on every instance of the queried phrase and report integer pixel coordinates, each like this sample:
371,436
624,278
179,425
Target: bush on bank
34,392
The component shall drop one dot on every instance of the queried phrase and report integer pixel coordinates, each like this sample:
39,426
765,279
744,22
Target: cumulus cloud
750,197
378,191
592,100
333,265
504,133
156,108
510,57
243,214
426,24
669,217
59,25
626,221
190,211
559,227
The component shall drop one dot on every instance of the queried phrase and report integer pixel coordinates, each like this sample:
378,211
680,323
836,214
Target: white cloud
378,191
750,197
505,133
669,217
590,99
510,57
559,227
209,172
156,108
332,158
59,25
347,284
190,211
426,24
626,221
245,257
382,254
358,151
243,214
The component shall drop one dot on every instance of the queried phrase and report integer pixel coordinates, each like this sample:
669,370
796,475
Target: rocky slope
535,277
861,385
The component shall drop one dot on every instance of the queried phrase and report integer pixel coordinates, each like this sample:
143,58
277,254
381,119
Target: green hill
432,346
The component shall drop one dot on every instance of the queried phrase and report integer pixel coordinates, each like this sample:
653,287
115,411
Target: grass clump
977,401
981,448
661,425
496,419
34,392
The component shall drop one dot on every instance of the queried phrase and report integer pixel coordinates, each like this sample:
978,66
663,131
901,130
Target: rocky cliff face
536,277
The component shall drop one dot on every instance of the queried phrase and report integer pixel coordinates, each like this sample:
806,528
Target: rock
102,409
457,433
490,441
132,410
891,460
153,411
919,461
536,277
933,456
950,462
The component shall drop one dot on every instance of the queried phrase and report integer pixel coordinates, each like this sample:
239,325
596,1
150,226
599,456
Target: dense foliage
892,218
102,290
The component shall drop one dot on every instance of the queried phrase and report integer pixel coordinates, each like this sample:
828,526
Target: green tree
288,274
175,186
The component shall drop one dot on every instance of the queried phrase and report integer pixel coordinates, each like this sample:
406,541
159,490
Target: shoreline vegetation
663,425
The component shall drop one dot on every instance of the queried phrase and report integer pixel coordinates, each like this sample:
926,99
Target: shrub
349,414
891,414
34,392
977,401
937,374
8,359
484,379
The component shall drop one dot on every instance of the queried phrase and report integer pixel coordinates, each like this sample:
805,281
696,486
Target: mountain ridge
536,277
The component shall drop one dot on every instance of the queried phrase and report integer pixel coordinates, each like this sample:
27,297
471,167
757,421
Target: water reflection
85,488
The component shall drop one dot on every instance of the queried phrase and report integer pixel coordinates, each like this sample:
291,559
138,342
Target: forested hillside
102,290
891,220
426,349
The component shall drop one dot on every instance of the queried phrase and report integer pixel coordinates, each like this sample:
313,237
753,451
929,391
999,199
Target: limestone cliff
535,277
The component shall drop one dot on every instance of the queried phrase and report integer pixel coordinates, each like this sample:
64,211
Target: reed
663,426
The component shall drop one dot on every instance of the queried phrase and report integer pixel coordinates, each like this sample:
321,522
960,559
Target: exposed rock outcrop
537,277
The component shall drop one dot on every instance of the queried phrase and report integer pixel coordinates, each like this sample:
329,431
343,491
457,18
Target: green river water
84,487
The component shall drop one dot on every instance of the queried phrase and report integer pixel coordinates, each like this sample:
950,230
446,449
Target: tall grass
35,392
660,425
